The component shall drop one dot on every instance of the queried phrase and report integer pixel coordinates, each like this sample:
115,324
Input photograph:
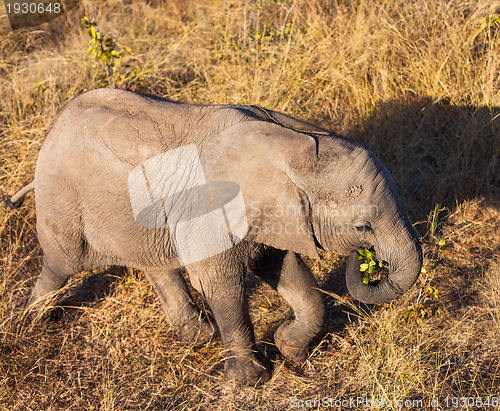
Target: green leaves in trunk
370,266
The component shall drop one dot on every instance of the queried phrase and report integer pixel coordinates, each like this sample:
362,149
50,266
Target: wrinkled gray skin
85,220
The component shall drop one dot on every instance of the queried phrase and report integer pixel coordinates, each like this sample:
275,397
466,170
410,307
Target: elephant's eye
363,228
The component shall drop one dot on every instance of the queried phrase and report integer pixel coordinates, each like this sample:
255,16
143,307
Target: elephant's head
303,190
355,204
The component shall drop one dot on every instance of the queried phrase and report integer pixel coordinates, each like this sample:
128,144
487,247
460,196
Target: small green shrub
427,305
104,47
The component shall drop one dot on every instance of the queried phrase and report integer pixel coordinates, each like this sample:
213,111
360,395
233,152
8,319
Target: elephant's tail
17,199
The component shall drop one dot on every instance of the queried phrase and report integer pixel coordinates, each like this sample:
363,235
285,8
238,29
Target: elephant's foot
197,332
291,342
246,369
35,308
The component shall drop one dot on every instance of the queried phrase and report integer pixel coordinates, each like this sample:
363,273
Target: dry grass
418,82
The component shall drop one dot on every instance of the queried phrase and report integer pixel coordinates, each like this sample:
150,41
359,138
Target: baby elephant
137,181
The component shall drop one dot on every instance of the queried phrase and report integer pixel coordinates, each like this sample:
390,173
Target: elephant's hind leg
287,273
61,258
51,278
180,310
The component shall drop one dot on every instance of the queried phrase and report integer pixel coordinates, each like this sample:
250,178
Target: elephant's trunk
404,266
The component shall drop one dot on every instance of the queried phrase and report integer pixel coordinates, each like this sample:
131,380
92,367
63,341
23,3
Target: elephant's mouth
391,278
373,271
400,266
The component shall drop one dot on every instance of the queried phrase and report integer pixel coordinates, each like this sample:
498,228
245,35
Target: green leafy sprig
370,266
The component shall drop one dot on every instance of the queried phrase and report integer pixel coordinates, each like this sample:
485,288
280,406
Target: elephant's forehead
348,212
353,191
353,195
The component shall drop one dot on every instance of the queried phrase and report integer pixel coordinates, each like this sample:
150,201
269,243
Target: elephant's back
82,173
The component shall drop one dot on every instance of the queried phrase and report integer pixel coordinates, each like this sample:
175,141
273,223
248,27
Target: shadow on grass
438,153
93,287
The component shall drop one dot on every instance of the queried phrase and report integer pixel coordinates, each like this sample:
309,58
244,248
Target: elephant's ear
257,156
284,222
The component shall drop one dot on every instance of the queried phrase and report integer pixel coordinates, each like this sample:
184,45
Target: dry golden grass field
415,81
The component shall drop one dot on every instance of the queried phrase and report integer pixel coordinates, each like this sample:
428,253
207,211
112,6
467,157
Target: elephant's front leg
288,274
222,284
